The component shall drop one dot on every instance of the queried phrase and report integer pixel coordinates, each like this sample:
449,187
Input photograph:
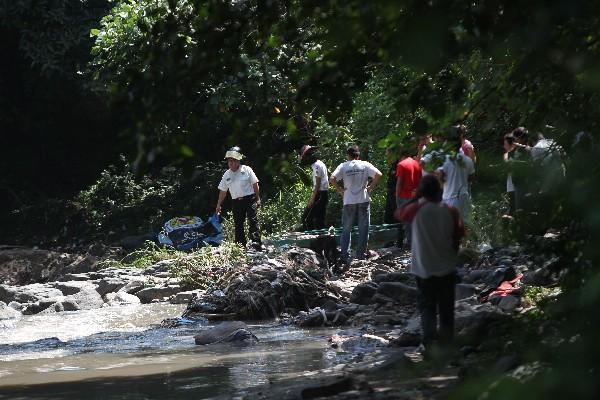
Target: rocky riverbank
373,302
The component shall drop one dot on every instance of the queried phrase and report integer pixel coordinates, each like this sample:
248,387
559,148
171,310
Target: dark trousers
436,295
314,217
246,207
388,216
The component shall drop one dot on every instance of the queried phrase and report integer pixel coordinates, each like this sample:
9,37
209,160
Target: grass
198,269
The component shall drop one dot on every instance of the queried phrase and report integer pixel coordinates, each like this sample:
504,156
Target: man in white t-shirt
455,173
242,184
314,214
355,175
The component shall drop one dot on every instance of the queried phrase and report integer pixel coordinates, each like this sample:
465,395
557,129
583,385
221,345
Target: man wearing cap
242,184
314,214
355,174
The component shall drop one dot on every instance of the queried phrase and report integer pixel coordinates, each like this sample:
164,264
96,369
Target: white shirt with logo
239,183
355,174
319,170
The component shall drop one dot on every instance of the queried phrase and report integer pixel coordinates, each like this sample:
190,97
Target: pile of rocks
65,282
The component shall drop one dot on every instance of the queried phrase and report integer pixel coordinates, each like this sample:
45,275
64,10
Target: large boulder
228,331
7,312
109,285
28,294
363,293
157,293
398,291
71,287
86,299
121,298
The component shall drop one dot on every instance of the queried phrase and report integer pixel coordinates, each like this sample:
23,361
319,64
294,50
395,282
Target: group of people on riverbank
428,191
354,180
358,179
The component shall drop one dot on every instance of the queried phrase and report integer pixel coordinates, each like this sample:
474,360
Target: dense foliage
183,80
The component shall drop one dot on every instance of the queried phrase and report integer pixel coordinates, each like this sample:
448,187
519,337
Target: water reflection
125,356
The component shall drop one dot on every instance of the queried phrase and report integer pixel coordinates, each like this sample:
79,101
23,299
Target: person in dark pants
390,198
315,211
391,156
242,184
437,229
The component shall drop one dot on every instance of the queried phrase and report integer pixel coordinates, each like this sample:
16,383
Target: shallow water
120,353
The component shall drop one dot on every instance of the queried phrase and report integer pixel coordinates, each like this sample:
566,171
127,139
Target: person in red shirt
408,176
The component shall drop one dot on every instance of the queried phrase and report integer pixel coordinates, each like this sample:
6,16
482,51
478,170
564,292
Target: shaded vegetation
173,83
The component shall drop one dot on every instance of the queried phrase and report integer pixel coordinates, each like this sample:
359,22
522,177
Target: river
121,353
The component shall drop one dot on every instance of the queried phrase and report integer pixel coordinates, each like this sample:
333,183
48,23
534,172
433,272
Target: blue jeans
407,227
351,213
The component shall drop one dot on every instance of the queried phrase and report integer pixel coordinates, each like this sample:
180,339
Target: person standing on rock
242,184
314,214
408,176
356,191
437,229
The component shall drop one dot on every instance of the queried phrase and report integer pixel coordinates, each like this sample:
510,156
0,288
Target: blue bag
189,232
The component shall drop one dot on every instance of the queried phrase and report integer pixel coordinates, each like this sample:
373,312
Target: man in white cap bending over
242,184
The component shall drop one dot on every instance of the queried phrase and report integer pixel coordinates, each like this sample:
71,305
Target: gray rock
74,277
27,294
363,293
185,297
134,286
538,277
157,293
120,298
161,266
228,331
109,285
394,277
36,307
473,321
509,303
71,287
7,312
87,299
464,290
398,291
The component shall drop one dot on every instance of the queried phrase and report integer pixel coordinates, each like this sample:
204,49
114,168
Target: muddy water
120,353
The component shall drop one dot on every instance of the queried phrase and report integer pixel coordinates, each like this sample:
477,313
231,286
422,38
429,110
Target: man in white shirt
355,175
314,214
242,184
455,173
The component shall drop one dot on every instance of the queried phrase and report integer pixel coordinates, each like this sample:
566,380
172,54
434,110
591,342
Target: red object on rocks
505,288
